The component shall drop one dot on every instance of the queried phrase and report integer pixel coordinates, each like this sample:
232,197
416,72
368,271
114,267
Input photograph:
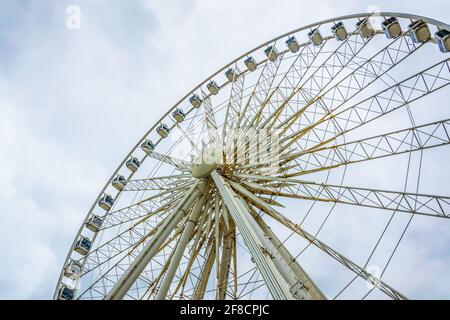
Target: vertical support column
301,284
279,278
225,263
309,285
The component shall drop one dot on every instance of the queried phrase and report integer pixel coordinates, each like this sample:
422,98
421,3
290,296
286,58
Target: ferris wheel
232,193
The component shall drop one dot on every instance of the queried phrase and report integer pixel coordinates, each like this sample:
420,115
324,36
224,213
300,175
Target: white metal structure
233,208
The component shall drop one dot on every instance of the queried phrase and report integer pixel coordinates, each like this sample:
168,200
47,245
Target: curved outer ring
436,23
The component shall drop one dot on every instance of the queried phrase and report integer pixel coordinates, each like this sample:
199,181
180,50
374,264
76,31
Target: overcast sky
73,102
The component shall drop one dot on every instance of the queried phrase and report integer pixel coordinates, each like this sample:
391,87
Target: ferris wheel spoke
201,294
433,135
255,104
312,289
293,81
233,109
195,252
361,272
129,277
307,110
217,233
157,183
273,267
125,241
340,60
194,255
200,288
290,260
284,91
203,233
391,292
210,120
156,265
244,286
352,84
289,83
153,289
184,232
414,203
260,93
113,272
142,208
174,162
225,262
127,254
380,104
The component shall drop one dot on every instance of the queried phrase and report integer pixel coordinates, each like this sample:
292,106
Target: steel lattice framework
198,207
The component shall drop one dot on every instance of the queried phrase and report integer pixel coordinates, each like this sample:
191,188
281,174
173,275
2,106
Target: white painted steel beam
145,256
278,276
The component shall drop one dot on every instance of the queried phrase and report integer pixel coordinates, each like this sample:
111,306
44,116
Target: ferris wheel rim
436,23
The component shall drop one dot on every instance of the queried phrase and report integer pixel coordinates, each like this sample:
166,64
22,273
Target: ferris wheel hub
205,163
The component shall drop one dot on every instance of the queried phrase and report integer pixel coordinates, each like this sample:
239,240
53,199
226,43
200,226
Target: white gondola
231,75
163,130
212,87
106,202
66,293
391,28
83,245
179,115
133,164
250,63
365,28
94,223
443,40
315,37
119,182
292,44
147,146
72,270
339,31
195,101
419,31
271,53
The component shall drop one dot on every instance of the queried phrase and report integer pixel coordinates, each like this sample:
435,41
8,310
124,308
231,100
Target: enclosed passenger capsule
391,28
133,164
83,245
419,31
147,146
65,293
94,223
163,130
271,53
230,74
250,63
195,101
179,115
365,28
106,202
443,40
339,31
315,37
119,182
212,87
292,44
72,270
